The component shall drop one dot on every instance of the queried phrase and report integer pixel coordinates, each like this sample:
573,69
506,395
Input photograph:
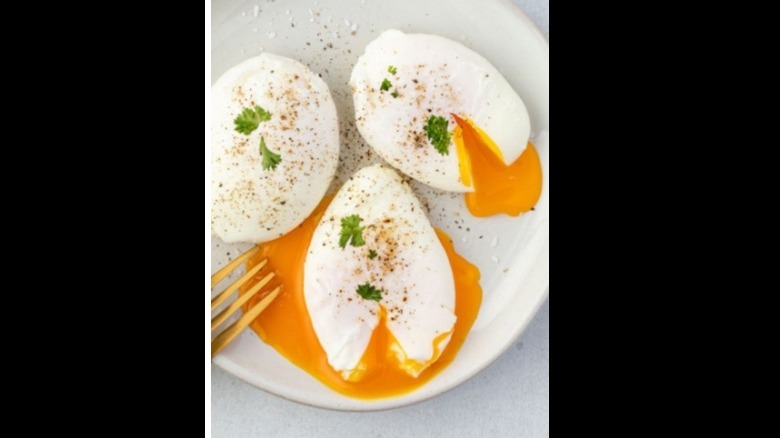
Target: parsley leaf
270,159
392,70
350,230
385,85
395,94
369,292
250,119
436,130
372,254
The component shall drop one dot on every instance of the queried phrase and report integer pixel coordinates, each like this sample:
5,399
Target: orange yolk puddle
498,187
285,324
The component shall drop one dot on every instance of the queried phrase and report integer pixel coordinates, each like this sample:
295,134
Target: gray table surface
509,398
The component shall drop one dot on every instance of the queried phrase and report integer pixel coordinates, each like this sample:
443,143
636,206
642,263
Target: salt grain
346,22
494,243
271,35
256,11
494,258
354,27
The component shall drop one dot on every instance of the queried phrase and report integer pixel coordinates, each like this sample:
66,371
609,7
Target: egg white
435,76
250,204
411,268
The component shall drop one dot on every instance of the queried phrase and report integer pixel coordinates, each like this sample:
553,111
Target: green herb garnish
372,254
351,231
395,94
270,159
437,131
369,292
392,70
250,119
385,85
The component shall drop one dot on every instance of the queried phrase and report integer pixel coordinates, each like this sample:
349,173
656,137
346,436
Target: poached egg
252,201
442,114
430,295
401,256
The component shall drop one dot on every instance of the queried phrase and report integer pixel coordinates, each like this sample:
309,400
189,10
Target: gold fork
231,331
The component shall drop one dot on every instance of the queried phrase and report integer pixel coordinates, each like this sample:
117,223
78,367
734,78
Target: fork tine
219,299
227,311
234,329
227,269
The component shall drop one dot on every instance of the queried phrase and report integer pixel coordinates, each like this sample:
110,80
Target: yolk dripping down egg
286,324
403,81
498,188
409,268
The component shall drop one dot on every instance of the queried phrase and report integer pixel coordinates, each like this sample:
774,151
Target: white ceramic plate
511,253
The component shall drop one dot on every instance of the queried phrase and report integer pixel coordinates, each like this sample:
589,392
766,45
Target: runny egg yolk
498,187
285,324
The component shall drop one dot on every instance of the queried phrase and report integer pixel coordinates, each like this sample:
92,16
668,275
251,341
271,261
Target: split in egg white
411,269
